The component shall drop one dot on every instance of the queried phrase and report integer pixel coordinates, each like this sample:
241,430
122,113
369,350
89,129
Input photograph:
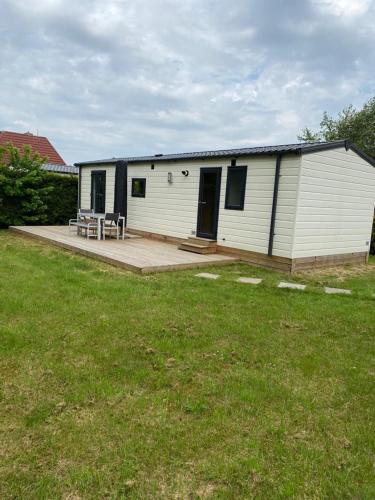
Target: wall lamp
185,172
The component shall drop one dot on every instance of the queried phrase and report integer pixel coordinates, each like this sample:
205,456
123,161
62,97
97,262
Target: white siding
335,204
249,229
109,186
171,209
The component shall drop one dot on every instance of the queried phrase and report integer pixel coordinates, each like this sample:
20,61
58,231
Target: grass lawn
169,386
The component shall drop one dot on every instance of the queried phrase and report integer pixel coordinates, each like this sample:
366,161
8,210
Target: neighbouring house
39,145
60,169
289,207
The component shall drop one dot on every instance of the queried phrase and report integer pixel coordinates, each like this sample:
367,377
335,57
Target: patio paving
250,281
208,276
134,253
332,291
293,286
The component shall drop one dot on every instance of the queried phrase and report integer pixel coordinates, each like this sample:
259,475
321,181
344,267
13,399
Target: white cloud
345,8
122,77
289,119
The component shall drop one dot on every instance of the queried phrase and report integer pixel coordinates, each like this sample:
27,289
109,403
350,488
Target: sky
112,78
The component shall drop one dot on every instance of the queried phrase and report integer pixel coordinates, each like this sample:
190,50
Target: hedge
61,201
57,203
29,195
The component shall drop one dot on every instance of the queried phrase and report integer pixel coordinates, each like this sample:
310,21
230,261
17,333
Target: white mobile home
289,207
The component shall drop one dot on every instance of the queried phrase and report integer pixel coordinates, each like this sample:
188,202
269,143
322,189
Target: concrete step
201,241
197,248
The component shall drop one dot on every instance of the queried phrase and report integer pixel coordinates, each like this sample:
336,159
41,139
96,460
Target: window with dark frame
236,186
138,188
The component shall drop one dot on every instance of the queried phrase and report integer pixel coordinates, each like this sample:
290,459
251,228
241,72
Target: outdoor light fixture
169,177
185,173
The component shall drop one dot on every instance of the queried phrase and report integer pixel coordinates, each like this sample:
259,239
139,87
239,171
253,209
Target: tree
357,126
23,191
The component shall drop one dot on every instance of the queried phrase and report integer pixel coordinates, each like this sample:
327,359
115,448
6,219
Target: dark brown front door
208,202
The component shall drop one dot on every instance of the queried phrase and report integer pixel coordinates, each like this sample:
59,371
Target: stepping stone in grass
294,286
342,291
208,276
251,281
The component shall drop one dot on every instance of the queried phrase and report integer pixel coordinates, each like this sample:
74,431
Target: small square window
236,186
139,188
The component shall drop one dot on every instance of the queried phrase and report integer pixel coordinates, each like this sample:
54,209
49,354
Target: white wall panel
335,204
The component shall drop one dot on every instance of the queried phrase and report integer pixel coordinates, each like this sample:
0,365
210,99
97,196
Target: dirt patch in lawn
341,273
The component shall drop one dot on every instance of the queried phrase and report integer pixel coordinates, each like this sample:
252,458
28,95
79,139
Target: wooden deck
135,253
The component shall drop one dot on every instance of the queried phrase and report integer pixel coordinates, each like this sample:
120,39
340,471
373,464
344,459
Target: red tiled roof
39,144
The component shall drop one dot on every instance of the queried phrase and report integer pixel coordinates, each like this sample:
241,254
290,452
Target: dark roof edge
80,164
303,149
164,158
315,148
362,154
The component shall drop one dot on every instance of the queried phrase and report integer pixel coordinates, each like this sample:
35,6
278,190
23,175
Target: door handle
202,202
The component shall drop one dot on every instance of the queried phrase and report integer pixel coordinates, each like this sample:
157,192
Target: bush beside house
31,196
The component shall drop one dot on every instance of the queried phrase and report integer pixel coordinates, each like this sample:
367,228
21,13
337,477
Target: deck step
197,248
201,241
